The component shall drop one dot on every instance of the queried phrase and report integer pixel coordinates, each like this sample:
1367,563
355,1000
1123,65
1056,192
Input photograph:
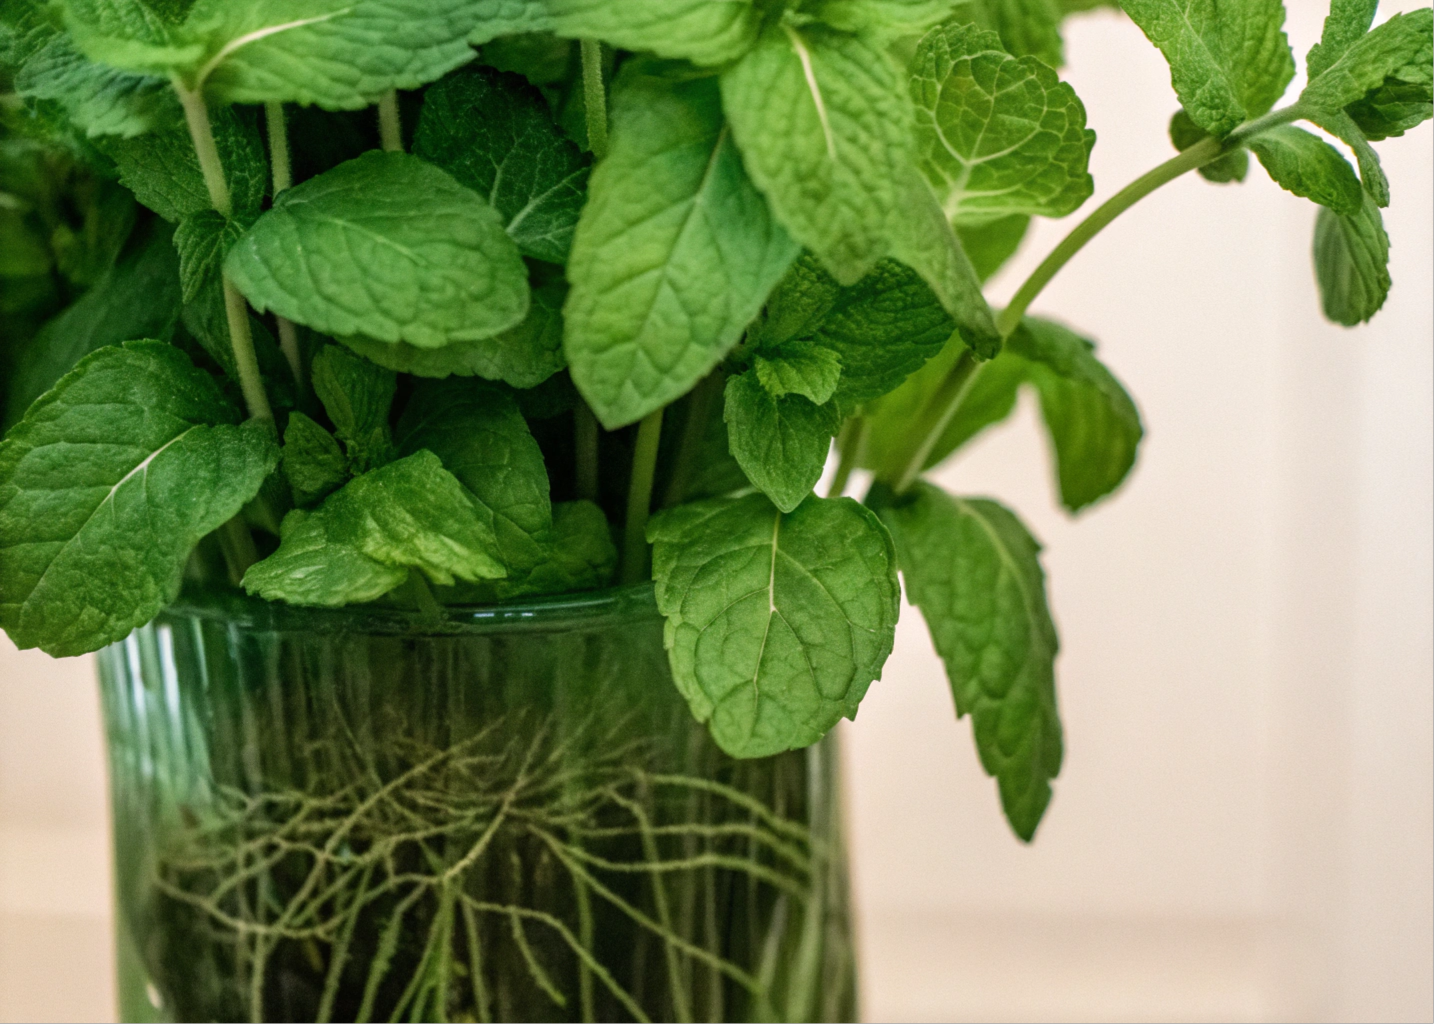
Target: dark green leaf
776,623
1232,167
387,246
357,395
974,572
799,368
494,134
1347,21
780,443
1308,166
313,462
1402,47
107,484
989,244
1371,174
578,553
203,239
1392,109
99,100
1351,257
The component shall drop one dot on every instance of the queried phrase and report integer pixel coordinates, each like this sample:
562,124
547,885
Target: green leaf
780,443
107,484
989,244
882,18
357,395
1310,167
1348,20
776,623
824,126
1351,257
203,239
1232,167
1094,425
523,356
799,368
1402,47
508,18
388,246
696,30
137,298
494,134
1027,28
997,134
1371,173
362,541
1229,62
97,99
206,321
674,255
483,440
163,173
313,461
1392,109
577,554
974,572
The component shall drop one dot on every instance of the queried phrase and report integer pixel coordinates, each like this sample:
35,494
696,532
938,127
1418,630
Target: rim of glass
550,612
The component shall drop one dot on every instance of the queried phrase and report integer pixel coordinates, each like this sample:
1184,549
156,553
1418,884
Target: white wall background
1244,829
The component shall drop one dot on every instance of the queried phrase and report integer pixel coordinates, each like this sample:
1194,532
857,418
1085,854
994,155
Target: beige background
1244,829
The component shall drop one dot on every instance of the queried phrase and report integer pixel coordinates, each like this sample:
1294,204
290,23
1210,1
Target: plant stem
390,128
694,430
594,97
201,132
283,175
585,442
936,415
849,443
422,595
237,545
639,498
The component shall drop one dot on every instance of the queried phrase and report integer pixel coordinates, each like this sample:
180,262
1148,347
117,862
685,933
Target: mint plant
430,302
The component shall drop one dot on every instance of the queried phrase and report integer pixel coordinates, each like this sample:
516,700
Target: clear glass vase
505,815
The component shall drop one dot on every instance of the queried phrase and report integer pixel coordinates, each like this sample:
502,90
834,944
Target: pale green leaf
1351,257
523,356
314,464
989,244
509,17
701,31
107,484
357,395
361,542
1402,47
824,126
884,17
99,100
799,368
494,134
387,246
780,443
1308,166
1027,28
997,134
974,572
776,623
674,255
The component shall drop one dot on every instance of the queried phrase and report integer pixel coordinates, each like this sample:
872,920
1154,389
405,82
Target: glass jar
504,814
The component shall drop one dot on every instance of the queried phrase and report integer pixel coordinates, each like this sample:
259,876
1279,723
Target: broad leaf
696,30
1351,257
674,255
493,133
523,356
997,134
776,623
1392,109
97,99
107,484
578,553
357,395
1027,28
989,244
1308,166
1402,47
1348,20
314,464
386,246
1229,59
824,126
799,368
974,572
781,443
203,239
362,541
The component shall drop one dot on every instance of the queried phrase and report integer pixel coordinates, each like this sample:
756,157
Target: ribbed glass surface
507,815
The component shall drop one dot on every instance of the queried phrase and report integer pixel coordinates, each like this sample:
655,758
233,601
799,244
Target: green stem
422,595
201,133
594,97
283,175
585,441
849,442
237,545
639,498
936,415
700,404
390,128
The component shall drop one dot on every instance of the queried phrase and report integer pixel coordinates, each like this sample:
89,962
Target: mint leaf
357,396
509,17
1402,47
1027,28
1351,257
1392,109
696,30
974,572
799,368
313,461
1308,166
494,134
360,543
1231,167
776,623
997,134
825,132
674,255
1228,62
780,443
1348,20
163,173
137,298
478,432
207,323
523,356
97,99
203,239
577,554
989,244
1094,425
1371,174
107,484
881,17
388,246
